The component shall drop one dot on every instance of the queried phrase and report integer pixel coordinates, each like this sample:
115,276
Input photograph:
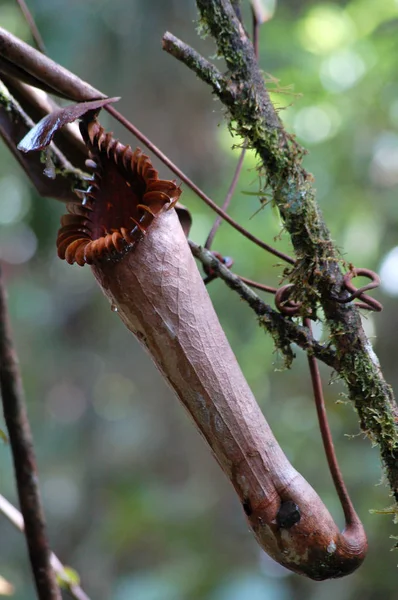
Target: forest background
134,500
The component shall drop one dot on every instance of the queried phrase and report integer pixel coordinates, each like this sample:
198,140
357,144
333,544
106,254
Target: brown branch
350,515
16,518
227,200
34,68
258,286
32,25
24,460
260,14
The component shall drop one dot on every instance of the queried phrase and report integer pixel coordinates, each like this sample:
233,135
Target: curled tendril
210,273
283,302
367,302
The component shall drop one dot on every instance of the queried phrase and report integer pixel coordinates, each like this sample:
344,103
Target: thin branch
191,57
348,508
21,442
258,286
227,200
183,52
16,518
276,324
32,26
256,34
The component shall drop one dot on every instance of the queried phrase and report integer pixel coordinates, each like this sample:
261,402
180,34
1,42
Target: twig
210,74
259,286
16,518
24,460
348,508
275,323
227,200
32,25
259,16
317,275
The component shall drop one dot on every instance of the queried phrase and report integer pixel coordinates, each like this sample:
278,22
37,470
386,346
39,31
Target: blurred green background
134,500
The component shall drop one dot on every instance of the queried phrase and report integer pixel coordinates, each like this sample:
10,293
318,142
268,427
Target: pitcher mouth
124,197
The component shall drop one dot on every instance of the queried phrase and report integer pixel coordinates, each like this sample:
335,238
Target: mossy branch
317,273
283,329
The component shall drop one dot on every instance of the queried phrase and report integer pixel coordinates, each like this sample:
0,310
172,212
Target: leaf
68,577
41,135
3,436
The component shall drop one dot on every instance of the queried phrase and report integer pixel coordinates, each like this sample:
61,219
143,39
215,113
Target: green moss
281,340
6,99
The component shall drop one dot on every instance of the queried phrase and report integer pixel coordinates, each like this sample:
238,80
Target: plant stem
227,200
21,441
32,26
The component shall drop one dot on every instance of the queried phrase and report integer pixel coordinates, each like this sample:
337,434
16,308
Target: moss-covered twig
317,274
208,72
283,329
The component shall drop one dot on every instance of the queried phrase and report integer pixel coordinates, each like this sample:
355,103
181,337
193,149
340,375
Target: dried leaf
43,132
